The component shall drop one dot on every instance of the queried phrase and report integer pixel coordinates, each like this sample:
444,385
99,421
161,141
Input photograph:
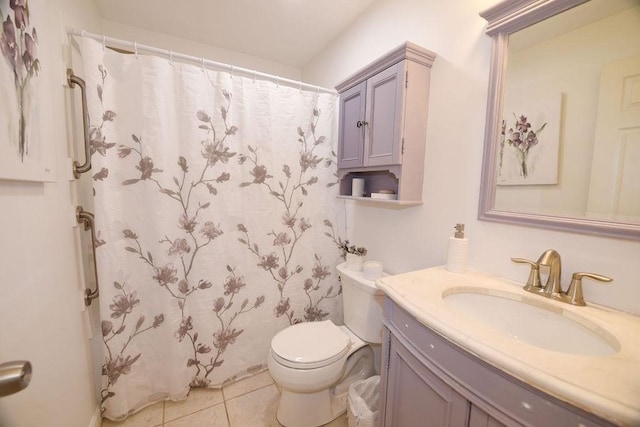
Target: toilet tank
362,305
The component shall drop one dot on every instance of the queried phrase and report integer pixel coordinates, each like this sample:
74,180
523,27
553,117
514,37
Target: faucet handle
574,293
533,282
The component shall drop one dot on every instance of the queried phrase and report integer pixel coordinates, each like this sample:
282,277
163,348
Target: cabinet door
417,397
384,117
479,418
351,129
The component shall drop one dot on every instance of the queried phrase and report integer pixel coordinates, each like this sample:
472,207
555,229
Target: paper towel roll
357,187
457,255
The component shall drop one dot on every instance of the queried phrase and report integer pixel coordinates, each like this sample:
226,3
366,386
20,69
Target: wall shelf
379,202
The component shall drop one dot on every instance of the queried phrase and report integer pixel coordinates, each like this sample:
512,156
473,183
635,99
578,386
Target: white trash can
363,400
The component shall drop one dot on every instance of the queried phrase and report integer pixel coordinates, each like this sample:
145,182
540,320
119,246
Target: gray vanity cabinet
383,124
427,380
408,378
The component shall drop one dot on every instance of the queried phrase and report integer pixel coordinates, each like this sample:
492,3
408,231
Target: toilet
314,363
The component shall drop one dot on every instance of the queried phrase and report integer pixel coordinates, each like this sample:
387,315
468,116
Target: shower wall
41,309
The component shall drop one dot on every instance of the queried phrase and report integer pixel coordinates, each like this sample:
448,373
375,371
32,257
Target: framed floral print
528,149
24,149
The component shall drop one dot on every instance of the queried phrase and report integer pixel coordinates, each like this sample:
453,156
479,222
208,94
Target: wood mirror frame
503,19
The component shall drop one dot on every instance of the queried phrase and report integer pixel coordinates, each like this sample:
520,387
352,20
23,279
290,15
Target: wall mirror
562,138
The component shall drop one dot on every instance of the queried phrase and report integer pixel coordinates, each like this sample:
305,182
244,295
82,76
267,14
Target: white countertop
607,386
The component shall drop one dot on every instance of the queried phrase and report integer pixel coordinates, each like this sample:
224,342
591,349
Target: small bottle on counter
458,251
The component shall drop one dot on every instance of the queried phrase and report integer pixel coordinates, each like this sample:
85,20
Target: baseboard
96,418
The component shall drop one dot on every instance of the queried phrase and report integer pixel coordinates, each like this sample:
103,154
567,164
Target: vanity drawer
501,396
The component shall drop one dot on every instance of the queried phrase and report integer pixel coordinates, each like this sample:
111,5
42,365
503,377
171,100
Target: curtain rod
232,69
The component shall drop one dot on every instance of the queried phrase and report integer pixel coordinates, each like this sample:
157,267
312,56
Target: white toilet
314,363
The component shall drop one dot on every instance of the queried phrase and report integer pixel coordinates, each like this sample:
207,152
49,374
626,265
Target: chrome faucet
553,288
551,258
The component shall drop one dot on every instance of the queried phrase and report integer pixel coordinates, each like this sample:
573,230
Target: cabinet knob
361,123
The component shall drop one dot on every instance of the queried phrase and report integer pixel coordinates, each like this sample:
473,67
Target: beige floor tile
246,385
256,409
215,416
341,421
149,417
198,399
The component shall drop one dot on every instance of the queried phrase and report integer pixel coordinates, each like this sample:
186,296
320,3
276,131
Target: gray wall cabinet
383,124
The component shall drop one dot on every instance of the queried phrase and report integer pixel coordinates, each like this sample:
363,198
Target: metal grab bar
86,218
79,169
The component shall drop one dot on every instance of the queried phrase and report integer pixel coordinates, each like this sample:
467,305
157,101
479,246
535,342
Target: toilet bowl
314,363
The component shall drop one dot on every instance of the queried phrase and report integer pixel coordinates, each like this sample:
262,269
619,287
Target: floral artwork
529,143
18,43
212,201
522,138
23,153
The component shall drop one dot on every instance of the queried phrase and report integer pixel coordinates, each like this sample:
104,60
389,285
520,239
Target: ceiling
289,32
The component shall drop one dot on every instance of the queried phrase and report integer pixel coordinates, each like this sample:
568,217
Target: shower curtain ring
104,42
135,48
231,73
203,69
170,57
254,76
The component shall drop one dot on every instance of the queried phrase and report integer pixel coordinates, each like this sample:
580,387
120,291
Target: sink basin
533,321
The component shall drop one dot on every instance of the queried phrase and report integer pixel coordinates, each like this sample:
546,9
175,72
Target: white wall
416,237
41,309
176,44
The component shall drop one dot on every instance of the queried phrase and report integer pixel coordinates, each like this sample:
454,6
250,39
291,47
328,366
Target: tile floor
251,402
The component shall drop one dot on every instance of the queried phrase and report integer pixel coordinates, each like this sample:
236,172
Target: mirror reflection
570,140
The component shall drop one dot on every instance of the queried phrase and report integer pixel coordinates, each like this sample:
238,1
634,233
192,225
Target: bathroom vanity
444,367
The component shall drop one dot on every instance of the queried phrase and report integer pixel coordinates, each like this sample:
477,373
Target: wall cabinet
429,381
383,124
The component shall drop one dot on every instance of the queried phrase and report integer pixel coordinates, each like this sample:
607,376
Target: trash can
363,399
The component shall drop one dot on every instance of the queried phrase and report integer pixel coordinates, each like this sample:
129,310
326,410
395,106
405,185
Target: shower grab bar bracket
79,169
86,218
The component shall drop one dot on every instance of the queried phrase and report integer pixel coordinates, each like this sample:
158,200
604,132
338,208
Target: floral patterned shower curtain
216,220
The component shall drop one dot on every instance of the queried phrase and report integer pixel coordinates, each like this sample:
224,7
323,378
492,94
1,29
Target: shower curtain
216,221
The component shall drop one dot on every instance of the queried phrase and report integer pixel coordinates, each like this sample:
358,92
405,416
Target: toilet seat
310,345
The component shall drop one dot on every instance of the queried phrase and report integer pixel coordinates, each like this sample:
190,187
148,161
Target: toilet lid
310,345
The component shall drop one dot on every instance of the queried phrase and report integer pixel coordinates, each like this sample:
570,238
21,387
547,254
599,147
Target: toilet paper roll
372,270
457,255
357,187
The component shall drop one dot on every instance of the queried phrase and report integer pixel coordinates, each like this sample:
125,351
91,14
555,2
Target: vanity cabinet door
479,418
351,130
417,397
